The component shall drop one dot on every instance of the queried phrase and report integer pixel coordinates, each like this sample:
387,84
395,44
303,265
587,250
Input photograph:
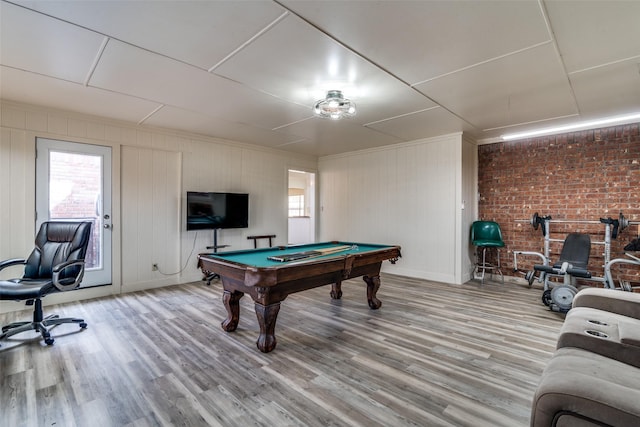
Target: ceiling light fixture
334,106
629,118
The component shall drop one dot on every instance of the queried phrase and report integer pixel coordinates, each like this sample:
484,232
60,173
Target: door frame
312,202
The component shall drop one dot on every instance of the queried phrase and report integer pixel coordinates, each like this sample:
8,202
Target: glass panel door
73,182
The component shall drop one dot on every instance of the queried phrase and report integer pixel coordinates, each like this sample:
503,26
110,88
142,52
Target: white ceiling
249,71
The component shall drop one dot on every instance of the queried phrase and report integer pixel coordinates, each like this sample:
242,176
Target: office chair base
42,327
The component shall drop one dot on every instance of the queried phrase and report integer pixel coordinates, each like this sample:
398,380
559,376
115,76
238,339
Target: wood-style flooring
432,355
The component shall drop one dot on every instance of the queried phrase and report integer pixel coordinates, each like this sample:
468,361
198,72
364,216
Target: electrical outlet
154,267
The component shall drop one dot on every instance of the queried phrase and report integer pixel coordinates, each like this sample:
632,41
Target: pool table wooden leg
267,315
336,290
231,302
373,283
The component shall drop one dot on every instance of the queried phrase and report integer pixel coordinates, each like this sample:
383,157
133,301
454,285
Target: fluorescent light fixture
628,118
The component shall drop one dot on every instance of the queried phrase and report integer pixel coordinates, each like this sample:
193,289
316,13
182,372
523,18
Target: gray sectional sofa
593,379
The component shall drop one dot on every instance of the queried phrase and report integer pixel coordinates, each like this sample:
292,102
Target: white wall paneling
17,204
469,206
300,231
151,206
264,175
332,198
261,173
407,194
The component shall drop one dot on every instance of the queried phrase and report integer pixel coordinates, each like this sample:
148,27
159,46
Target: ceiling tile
126,69
523,87
37,89
592,33
320,64
200,33
176,118
37,43
425,124
325,136
609,90
419,40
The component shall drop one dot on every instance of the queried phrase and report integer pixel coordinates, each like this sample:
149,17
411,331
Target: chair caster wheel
83,325
48,341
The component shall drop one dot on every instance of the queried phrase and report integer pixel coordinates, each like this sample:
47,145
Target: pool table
269,282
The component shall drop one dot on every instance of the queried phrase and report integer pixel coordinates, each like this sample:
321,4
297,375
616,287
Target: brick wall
584,175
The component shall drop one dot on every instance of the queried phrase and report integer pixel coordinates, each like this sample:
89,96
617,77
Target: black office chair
573,263
55,265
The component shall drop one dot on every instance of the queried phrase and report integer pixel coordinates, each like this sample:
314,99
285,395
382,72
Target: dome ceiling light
334,106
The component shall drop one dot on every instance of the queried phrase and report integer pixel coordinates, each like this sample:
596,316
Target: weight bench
573,262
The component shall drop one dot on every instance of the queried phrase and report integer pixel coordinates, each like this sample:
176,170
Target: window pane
296,205
75,182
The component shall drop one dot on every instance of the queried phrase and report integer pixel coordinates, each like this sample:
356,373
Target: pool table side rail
284,272
296,248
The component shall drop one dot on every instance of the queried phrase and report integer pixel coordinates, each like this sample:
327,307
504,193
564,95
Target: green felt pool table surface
259,258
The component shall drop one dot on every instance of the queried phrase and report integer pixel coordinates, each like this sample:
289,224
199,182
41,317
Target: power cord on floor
195,239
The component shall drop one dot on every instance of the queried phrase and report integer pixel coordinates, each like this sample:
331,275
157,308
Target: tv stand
211,276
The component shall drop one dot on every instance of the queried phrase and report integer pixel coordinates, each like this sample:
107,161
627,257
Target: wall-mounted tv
210,211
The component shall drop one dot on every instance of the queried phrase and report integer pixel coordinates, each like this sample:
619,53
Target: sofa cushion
579,387
602,332
615,301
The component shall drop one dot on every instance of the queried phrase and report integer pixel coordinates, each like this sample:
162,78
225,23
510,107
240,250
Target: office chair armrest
9,262
66,286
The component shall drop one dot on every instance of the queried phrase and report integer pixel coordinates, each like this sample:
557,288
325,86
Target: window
296,202
75,182
296,205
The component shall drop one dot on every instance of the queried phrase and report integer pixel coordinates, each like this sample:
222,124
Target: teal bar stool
486,235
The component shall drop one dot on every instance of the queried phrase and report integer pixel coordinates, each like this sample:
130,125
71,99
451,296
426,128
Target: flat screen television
210,211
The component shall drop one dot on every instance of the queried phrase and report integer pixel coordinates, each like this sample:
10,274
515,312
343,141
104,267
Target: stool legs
484,265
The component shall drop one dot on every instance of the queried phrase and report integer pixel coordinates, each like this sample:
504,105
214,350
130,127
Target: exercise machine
573,262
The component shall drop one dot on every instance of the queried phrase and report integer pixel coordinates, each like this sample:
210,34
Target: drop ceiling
249,71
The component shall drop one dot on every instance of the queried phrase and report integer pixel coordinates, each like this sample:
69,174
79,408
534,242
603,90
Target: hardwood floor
432,355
